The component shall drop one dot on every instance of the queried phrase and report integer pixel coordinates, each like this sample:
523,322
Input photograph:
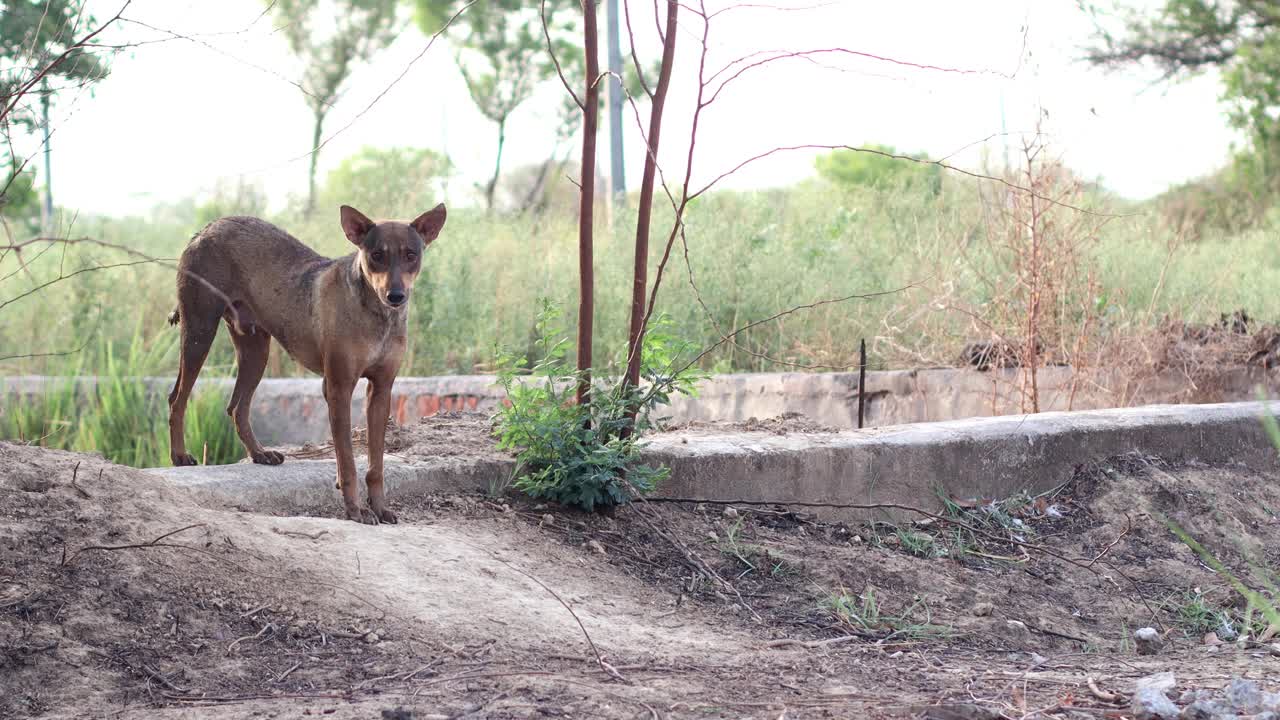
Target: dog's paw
386,516
268,457
184,459
362,515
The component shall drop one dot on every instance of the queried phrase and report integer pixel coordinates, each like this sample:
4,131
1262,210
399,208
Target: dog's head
390,253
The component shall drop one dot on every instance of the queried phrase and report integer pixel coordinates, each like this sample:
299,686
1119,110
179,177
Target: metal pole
862,378
618,180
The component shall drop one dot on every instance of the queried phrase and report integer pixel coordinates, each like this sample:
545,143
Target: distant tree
331,39
387,182
502,53
1241,38
851,168
33,36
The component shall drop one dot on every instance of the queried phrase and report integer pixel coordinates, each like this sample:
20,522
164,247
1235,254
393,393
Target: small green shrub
864,614
575,454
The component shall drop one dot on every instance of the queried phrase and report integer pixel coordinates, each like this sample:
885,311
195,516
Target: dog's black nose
395,297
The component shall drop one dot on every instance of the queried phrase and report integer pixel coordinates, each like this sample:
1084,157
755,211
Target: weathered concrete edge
977,458
908,465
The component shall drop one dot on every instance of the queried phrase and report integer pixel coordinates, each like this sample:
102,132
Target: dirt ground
120,597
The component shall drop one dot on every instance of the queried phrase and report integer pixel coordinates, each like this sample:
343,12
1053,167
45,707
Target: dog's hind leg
252,351
199,319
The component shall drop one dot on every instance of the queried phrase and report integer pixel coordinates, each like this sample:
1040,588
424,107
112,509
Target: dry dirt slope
455,613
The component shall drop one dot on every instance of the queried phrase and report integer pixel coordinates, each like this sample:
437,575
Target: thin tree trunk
617,171
640,275
315,155
586,209
497,165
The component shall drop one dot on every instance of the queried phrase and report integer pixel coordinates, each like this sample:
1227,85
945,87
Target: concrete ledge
978,458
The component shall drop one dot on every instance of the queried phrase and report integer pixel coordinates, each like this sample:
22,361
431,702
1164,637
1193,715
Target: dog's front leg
337,394
379,402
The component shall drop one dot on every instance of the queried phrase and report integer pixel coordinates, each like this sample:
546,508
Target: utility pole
46,210
618,181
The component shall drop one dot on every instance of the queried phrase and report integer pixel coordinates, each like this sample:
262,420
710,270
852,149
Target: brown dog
343,318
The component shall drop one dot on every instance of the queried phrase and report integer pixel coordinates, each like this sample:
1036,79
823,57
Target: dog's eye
378,256
411,256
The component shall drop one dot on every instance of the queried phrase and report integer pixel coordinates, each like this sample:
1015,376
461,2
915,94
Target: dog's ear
429,223
355,224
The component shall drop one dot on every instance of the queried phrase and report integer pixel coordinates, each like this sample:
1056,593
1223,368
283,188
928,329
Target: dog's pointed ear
429,223
355,224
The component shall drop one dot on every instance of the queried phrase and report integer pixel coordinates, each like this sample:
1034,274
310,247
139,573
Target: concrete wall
293,411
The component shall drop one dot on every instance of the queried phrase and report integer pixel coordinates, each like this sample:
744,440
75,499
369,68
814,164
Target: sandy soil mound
121,597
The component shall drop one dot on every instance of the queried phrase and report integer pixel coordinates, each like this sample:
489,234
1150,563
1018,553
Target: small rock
506,508
856,539
1015,634
711,535
730,513
1206,710
983,609
371,638
1244,696
595,547
892,540
1150,701
1147,640
382,634
1037,659
1211,638
548,519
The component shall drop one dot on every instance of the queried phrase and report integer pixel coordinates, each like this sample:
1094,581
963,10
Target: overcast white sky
175,117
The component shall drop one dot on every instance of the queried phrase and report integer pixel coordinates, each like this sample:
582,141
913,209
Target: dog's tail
173,317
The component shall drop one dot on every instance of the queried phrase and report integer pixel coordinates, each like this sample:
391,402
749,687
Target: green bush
910,171
575,454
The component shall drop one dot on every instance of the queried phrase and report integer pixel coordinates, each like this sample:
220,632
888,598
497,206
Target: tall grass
118,416
751,254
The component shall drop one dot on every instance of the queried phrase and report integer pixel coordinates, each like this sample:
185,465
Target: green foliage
32,35
502,48
1241,40
575,454
331,39
503,53
119,416
877,169
397,182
